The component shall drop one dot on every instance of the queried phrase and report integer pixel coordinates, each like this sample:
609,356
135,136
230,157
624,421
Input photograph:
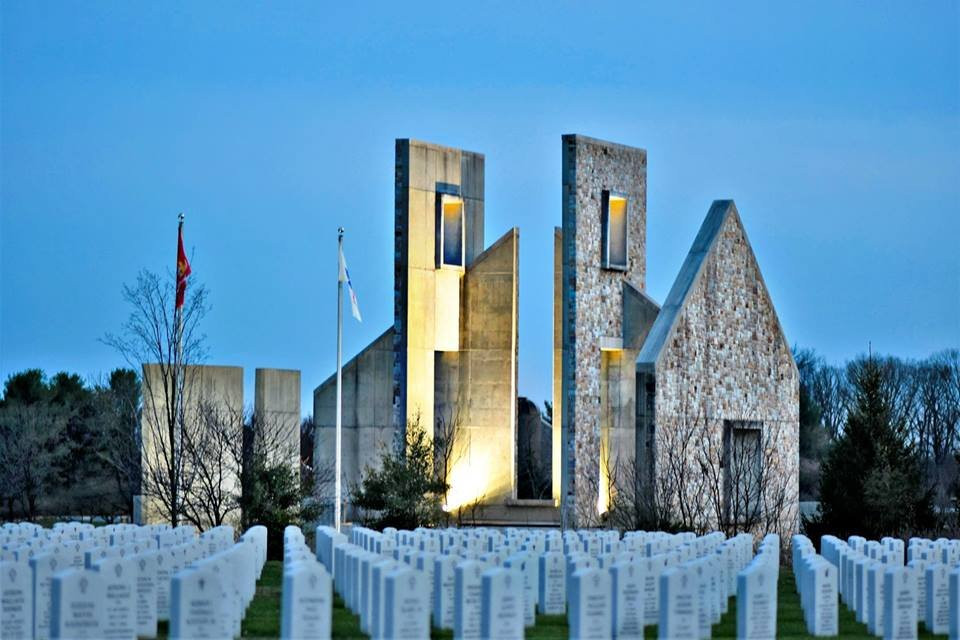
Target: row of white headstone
816,580
484,583
79,581
306,608
890,597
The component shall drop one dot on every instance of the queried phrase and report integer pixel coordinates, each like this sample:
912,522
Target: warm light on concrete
469,480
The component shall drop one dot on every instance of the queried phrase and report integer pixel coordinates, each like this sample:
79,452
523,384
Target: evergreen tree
872,482
405,491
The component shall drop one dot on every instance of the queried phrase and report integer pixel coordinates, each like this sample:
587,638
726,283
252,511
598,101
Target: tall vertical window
743,471
450,231
614,231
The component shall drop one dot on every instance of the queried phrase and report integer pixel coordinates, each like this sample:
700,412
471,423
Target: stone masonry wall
728,360
592,305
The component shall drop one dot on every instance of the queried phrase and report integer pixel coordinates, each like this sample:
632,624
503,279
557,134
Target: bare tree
116,424
450,445
317,477
831,393
213,444
31,446
151,335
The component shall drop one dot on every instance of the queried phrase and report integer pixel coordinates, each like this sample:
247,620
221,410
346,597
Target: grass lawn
263,616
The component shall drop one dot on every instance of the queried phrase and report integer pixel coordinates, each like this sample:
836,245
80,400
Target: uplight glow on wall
468,481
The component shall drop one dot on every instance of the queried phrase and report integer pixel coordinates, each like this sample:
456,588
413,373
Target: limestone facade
715,368
709,376
597,394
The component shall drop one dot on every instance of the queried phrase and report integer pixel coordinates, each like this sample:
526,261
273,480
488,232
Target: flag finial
180,217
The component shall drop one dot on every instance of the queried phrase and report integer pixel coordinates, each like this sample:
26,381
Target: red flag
183,268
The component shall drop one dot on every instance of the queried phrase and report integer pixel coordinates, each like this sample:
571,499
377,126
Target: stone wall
726,361
556,443
592,315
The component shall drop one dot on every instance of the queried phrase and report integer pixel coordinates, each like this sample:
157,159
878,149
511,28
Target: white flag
345,277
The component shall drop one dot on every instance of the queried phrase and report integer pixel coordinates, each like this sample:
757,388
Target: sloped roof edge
663,326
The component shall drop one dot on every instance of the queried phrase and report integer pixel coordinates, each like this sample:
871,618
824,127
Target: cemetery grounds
263,616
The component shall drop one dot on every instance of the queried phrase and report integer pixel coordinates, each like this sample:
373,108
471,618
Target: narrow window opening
450,231
614,231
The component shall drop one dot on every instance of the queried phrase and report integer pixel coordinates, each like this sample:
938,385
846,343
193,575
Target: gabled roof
663,326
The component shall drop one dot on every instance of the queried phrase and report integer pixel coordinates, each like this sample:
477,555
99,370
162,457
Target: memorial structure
213,398
711,369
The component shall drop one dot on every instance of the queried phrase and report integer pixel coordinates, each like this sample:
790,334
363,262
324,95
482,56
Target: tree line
68,447
880,443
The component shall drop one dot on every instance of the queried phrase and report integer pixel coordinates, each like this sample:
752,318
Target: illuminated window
613,220
450,231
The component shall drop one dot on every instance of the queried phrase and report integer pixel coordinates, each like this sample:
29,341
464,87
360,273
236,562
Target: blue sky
834,126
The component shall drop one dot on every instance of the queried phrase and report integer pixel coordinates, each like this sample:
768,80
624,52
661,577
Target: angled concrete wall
367,405
476,387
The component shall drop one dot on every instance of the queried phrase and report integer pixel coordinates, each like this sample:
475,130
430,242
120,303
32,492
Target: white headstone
502,604
16,600
954,604
679,607
824,613
756,602
627,589
652,568
860,587
590,613
43,566
874,601
77,605
146,564
307,604
937,591
467,599
406,605
526,566
378,573
899,603
920,574
165,560
196,605
552,598
443,590
119,609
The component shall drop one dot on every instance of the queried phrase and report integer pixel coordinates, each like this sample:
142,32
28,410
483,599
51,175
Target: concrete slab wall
367,405
423,172
277,403
476,388
218,388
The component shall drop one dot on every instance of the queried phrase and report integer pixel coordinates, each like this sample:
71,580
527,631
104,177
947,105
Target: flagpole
178,393
337,514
